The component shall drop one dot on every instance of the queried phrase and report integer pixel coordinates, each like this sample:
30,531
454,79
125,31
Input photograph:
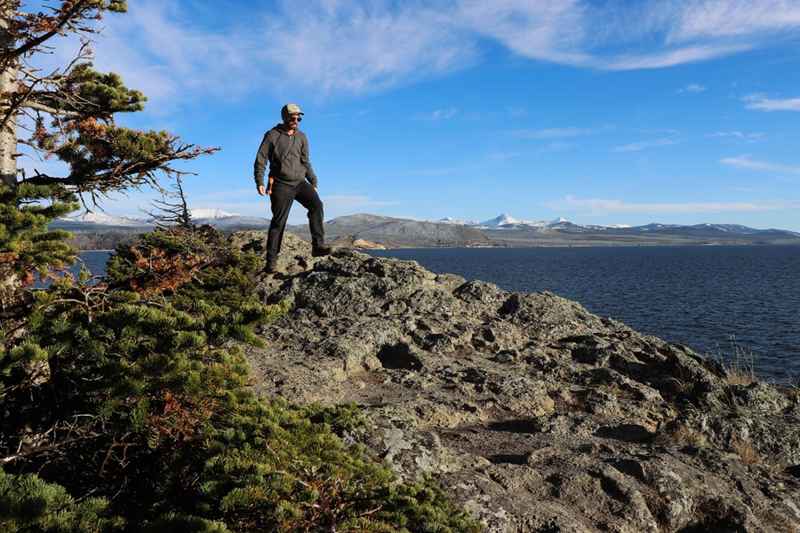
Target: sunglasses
296,117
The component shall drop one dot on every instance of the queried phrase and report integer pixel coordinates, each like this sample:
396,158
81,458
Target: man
290,178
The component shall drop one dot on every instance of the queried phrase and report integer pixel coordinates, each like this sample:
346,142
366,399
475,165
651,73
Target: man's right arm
261,161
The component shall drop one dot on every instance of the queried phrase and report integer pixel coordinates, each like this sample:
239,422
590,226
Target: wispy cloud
671,58
556,146
662,33
159,51
434,171
556,133
734,18
692,88
603,206
745,162
439,114
761,103
642,145
503,156
741,135
359,46
365,45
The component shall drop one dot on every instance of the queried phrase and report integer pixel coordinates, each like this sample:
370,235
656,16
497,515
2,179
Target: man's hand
262,190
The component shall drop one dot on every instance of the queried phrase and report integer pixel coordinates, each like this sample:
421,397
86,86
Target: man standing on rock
290,178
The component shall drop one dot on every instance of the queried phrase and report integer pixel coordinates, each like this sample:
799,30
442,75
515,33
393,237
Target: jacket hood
279,128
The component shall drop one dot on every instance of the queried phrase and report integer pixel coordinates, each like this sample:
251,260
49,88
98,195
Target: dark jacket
287,156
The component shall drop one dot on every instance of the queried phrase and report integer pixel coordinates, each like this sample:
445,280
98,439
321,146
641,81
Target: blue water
715,299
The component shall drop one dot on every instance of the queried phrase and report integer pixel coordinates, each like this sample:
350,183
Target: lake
715,299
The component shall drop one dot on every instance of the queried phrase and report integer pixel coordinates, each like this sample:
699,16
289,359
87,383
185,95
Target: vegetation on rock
127,402
148,407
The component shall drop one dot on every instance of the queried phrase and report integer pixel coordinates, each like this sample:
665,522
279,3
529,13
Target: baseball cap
291,109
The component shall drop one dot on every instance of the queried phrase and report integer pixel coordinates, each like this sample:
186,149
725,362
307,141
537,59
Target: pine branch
175,213
51,110
77,8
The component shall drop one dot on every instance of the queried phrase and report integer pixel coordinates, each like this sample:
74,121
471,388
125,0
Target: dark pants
281,201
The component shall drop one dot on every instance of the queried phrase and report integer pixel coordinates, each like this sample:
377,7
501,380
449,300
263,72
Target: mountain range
503,230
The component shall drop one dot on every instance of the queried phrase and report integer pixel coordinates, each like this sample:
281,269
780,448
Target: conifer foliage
126,401
65,115
148,409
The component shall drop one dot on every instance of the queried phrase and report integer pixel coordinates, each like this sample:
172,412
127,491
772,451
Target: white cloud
642,145
359,46
549,31
439,114
671,58
601,206
503,156
434,171
692,88
744,161
366,45
555,133
734,18
556,146
744,136
604,36
762,103
158,50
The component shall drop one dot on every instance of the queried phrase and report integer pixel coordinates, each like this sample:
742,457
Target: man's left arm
306,161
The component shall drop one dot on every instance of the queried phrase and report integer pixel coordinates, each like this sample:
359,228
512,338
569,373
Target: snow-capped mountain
497,229
228,221
507,221
200,216
103,219
210,213
457,221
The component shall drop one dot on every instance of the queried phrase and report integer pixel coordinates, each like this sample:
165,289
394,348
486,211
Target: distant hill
503,230
399,232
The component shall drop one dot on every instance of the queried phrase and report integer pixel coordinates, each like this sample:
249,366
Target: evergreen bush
149,406
126,403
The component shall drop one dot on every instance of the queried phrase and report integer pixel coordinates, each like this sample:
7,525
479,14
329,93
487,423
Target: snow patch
92,217
212,212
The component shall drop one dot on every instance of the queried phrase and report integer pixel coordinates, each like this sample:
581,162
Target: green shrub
29,504
148,405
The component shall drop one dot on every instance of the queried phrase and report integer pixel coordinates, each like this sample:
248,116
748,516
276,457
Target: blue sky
604,112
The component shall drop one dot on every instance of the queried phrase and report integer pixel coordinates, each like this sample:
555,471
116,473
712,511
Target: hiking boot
271,267
319,251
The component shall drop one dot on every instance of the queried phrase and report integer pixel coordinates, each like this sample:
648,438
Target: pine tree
67,114
127,404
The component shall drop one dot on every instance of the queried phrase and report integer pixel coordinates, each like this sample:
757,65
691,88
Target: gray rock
533,413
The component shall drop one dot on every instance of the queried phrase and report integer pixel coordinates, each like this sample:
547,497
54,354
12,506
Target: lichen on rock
532,412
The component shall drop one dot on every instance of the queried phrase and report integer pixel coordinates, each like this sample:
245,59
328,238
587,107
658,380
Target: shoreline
609,245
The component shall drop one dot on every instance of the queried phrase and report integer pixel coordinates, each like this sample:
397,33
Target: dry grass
740,366
684,436
746,452
737,376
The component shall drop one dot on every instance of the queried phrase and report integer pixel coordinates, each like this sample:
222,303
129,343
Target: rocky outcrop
535,414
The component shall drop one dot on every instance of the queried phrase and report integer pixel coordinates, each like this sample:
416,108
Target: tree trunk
9,279
8,85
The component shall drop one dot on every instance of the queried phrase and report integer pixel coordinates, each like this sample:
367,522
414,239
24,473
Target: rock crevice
534,413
